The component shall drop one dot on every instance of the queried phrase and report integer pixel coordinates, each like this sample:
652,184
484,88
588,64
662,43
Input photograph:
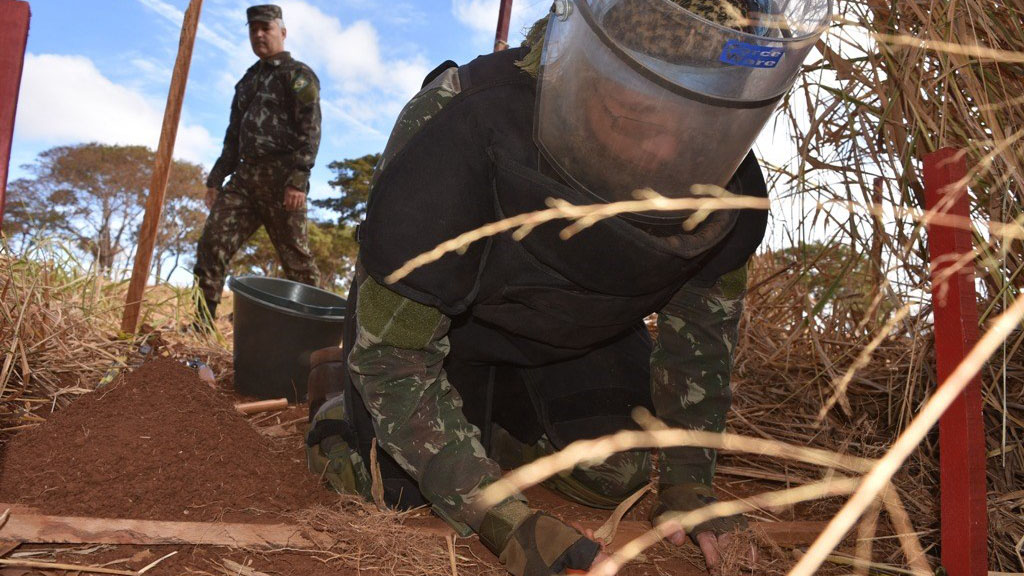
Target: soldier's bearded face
266,38
631,125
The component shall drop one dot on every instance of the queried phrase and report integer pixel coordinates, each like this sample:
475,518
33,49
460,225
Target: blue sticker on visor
750,55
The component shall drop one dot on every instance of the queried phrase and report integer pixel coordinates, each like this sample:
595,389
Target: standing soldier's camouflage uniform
398,366
270,145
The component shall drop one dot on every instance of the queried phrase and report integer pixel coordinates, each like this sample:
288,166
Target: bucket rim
237,284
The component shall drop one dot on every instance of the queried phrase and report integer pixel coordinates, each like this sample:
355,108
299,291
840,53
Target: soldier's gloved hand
712,536
531,543
294,199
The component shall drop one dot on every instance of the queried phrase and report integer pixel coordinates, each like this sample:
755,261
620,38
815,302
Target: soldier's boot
332,447
204,317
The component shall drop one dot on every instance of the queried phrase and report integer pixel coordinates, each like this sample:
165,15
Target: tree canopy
93,196
352,179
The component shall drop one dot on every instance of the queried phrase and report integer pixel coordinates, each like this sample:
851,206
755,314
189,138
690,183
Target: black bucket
278,324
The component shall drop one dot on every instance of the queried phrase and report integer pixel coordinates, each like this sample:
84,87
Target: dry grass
380,542
837,349
894,81
59,333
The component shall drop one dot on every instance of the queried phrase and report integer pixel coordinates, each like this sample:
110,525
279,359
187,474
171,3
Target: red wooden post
961,430
504,17
14,17
161,169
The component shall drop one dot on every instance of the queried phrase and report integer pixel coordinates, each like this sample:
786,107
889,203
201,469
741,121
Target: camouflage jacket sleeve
691,366
229,155
396,364
305,87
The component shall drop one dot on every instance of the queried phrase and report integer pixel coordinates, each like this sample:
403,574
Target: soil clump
157,444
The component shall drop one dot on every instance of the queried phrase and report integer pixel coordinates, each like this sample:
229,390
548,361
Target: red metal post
504,17
961,430
14,17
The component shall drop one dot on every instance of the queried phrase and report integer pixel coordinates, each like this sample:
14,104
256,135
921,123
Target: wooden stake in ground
262,406
161,170
504,17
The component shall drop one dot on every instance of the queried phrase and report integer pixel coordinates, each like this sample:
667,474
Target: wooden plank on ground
74,530
42,529
784,534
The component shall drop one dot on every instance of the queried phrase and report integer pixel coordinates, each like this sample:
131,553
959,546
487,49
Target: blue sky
99,70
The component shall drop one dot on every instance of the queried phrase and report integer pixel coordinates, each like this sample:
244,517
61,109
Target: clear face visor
643,94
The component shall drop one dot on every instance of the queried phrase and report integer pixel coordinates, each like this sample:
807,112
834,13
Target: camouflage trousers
254,197
419,420
691,369
600,485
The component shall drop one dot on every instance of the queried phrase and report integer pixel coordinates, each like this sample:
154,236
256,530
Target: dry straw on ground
836,347
380,542
59,332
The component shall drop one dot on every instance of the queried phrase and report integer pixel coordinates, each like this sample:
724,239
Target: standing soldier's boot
204,316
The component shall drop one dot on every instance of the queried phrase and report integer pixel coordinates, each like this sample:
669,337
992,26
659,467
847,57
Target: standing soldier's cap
263,13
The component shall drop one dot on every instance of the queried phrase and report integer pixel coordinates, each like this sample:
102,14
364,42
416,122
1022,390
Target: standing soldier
269,150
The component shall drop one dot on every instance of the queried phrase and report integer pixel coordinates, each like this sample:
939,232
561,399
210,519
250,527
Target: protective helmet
664,94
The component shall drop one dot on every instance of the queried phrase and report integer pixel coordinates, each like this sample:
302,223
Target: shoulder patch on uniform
305,88
394,319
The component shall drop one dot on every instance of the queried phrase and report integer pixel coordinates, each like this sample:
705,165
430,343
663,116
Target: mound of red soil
158,444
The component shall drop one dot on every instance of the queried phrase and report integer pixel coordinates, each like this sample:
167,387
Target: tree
181,221
94,195
352,178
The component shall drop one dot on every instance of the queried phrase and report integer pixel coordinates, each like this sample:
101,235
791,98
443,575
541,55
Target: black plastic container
278,324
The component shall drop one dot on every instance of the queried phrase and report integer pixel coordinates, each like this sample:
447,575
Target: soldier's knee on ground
605,484
331,451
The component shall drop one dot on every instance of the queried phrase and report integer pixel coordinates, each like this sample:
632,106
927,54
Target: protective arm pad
542,546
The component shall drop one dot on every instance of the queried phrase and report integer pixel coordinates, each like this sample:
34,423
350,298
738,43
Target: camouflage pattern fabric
664,32
397,365
253,197
417,112
339,464
263,13
686,497
416,412
691,367
541,545
598,485
271,143
275,114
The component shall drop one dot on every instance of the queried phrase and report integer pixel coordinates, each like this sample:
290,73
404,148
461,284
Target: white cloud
66,99
348,55
481,16
204,32
362,87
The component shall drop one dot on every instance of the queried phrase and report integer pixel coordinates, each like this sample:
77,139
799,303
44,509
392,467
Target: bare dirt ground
159,444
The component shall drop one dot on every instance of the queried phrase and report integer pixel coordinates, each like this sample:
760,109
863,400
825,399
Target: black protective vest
475,162
547,335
